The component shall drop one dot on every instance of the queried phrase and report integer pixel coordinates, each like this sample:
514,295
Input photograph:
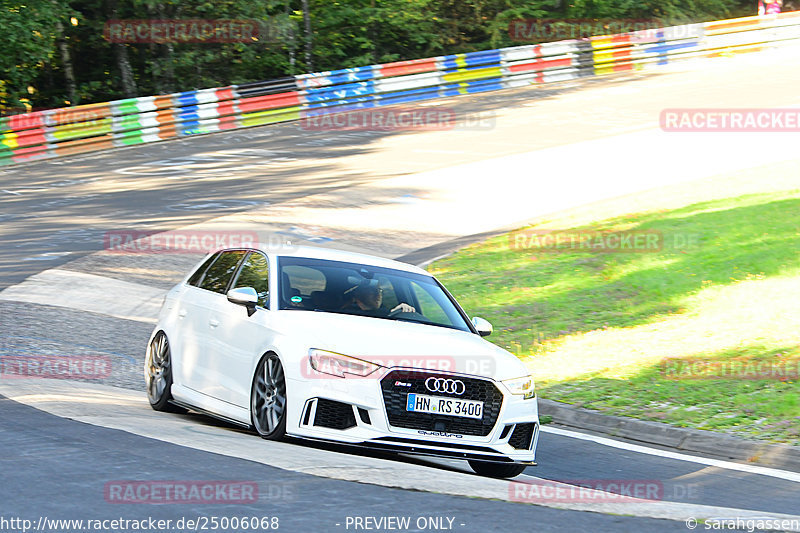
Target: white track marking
750,469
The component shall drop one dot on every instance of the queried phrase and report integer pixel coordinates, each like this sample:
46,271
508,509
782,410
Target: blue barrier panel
339,92
472,60
413,95
186,98
472,87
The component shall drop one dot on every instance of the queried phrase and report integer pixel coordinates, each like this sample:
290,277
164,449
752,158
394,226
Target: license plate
438,405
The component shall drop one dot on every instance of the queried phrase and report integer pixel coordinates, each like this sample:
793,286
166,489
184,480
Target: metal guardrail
66,131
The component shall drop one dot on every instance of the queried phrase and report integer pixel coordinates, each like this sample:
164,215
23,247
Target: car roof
313,252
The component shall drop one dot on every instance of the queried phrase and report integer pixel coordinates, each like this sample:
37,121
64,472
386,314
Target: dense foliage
55,53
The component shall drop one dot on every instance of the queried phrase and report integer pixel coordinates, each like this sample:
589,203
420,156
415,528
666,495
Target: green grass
595,328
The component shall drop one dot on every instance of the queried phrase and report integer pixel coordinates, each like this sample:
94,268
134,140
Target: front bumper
367,412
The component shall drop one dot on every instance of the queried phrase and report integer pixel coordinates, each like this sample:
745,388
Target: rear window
194,280
219,274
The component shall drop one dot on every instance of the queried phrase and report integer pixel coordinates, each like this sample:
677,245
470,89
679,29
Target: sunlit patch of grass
595,328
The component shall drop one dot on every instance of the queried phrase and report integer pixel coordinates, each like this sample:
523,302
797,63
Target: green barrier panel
126,107
128,138
6,152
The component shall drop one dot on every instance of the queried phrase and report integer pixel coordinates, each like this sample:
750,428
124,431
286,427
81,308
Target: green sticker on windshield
297,299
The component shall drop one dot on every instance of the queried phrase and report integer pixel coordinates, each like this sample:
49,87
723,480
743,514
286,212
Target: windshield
355,289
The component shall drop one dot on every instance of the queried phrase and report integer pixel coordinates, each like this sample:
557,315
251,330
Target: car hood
394,343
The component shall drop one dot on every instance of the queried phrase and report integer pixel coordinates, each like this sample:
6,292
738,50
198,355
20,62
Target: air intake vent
334,415
521,437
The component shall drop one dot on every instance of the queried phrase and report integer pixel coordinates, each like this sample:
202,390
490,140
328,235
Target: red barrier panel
271,101
401,68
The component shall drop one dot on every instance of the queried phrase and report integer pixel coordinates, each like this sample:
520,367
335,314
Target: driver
369,298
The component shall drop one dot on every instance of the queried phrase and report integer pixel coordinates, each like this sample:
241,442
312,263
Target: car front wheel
498,470
268,398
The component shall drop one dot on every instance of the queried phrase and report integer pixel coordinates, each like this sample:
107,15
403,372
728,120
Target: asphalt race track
393,194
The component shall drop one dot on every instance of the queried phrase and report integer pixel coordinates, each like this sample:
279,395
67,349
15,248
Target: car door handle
213,322
182,313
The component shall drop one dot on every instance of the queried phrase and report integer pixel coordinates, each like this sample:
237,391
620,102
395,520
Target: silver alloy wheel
268,398
158,368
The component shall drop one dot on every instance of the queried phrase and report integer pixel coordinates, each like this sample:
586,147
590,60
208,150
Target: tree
29,35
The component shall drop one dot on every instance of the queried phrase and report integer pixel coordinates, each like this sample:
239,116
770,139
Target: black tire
158,377
268,399
498,470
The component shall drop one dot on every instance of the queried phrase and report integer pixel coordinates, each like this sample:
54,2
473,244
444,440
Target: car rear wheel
268,398
498,470
158,377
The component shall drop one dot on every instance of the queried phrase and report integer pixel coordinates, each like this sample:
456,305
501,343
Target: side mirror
483,326
246,296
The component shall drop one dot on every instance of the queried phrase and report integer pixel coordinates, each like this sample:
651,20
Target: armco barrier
73,130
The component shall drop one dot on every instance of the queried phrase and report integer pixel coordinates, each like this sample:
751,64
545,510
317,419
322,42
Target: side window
198,274
219,274
255,273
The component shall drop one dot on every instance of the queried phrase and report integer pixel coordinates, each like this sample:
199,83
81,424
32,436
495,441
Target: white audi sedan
329,345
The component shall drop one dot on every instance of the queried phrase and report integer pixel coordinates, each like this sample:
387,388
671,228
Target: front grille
521,438
334,415
394,397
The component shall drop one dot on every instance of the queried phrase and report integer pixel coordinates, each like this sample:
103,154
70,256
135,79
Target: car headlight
521,387
337,364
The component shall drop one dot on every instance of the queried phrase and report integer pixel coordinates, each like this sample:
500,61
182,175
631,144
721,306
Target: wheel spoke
160,386
261,387
151,388
274,420
271,372
280,403
268,419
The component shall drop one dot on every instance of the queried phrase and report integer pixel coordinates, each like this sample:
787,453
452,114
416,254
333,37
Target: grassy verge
614,331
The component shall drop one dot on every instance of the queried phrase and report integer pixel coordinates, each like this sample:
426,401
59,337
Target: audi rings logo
451,386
